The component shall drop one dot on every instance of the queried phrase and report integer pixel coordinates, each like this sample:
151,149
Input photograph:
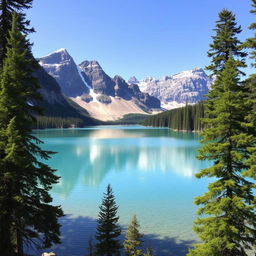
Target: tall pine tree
225,41
7,7
108,231
26,215
227,222
133,240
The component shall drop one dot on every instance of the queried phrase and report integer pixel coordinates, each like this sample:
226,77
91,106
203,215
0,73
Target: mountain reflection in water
87,155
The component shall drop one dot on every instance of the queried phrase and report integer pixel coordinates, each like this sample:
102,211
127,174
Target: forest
188,118
43,122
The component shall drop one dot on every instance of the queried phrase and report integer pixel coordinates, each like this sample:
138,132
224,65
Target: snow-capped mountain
53,101
61,66
87,84
96,78
174,91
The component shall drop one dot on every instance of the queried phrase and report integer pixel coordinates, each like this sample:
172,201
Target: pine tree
133,240
108,231
225,41
25,211
227,222
7,7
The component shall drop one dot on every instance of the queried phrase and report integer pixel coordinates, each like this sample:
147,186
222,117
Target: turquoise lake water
151,171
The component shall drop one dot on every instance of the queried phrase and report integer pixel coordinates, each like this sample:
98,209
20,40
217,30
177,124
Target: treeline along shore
187,118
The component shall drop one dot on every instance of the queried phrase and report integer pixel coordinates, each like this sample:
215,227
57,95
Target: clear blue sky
133,37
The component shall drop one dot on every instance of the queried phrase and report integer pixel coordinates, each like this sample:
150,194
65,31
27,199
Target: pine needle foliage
7,7
108,230
26,215
225,41
133,239
227,222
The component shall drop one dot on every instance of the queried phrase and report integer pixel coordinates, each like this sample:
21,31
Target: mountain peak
118,78
62,67
198,69
61,50
58,56
93,64
133,80
196,72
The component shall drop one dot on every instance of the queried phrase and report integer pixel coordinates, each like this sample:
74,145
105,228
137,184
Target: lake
151,171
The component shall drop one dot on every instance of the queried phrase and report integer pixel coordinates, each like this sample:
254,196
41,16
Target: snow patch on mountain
80,73
61,50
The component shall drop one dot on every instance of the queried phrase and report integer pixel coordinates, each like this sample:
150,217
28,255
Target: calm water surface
151,171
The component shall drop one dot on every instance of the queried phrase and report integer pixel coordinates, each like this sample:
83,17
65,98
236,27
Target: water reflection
114,132
86,156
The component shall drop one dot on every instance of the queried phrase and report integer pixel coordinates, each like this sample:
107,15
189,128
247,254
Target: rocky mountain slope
61,66
89,86
174,91
53,101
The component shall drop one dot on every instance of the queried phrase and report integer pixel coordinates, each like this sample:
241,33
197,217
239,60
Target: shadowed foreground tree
108,230
26,215
7,7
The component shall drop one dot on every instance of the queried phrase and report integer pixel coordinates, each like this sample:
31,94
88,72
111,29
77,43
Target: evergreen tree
7,7
133,240
227,222
26,215
225,41
108,230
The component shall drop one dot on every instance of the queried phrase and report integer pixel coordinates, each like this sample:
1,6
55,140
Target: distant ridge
173,91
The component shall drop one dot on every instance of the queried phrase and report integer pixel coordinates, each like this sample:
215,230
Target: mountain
96,78
133,80
103,84
53,102
174,91
87,85
61,66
